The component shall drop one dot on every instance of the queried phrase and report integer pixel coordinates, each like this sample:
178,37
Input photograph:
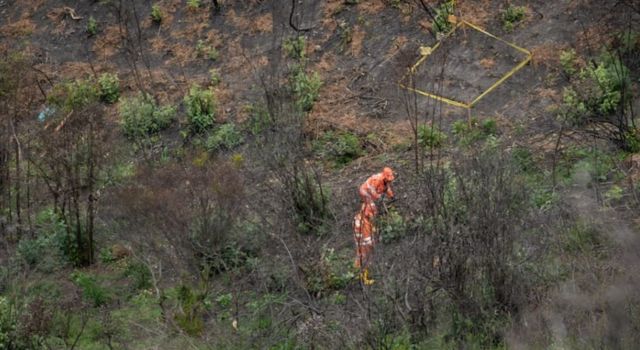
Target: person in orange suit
364,236
363,228
375,186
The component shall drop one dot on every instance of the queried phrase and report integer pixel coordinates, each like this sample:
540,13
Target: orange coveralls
371,190
364,236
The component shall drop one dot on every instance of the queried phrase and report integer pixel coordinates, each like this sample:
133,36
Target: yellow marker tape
491,88
501,80
439,98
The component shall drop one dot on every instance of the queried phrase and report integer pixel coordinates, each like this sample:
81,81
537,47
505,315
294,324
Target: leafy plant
595,93
109,87
441,22
201,109
512,15
306,88
226,137
214,77
469,132
340,147
430,136
193,4
91,288
190,317
156,13
142,117
391,226
204,50
92,26
568,61
139,273
332,272
52,248
295,47
73,95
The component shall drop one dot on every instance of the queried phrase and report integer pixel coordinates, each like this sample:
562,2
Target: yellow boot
365,278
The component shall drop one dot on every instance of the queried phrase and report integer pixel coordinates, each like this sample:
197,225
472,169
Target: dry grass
398,43
487,63
547,55
371,7
242,23
108,43
19,28
357,37
264,23
181,54
475,12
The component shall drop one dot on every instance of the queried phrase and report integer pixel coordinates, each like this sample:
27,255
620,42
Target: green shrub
524,159
340,147
52,248
469,132
226,137
156,13
190,318
73,95
259,119
92,26
306,88
214,77
332,272
201,109
193,4
583,238
204,50
142,117
441,22
295,47
109,87
139,273
391,227
429,136
595,90
310,202
91,289
568,61
512,15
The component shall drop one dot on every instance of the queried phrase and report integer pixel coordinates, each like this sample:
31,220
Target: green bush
306,88
190,318
391,227
469,132
109,87
340,147
201,109
214,77
332,272
429,136
193,4
441,22
92,26
295,47
569,61
204,50
91,289
142,117
52,248
512,15
595,90
226,137
156,13
259,119
73,95
139,273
